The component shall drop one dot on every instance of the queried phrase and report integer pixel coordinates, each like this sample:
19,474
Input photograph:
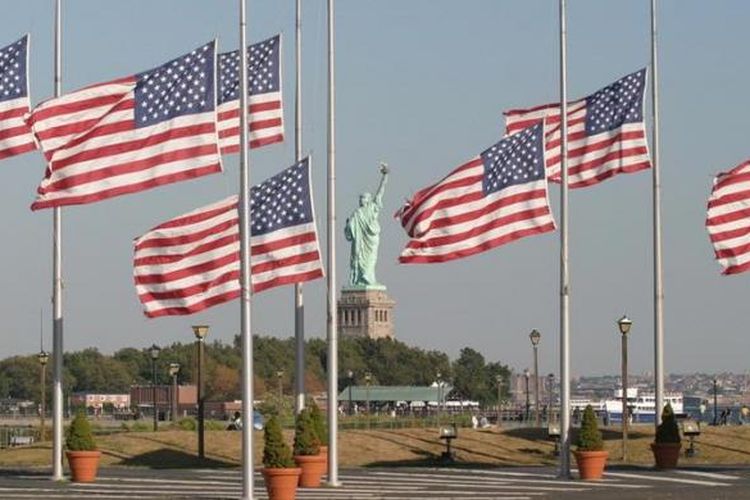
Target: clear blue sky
420,84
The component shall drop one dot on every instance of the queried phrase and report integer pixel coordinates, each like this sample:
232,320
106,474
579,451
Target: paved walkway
396,484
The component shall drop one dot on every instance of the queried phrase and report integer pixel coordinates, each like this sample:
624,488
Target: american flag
606,132
15,135
192,262
266,114
495,198
728,219
130,134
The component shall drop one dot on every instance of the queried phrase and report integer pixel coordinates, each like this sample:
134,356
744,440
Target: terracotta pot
591,464
313,467
324,451
666,454
281,484
83,465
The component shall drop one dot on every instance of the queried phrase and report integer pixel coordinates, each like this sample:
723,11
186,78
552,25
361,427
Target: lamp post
550,391
368,379
438,380
200,332
350,375
535,337
526,375
154,352
174,369
279,376
716,405
43,358
624,325
499,380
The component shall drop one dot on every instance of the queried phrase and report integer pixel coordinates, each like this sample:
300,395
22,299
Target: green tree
470,380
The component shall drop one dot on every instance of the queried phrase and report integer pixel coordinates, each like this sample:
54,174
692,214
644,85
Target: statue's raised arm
381,188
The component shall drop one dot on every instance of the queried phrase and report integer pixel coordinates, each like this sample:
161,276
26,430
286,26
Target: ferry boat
641,405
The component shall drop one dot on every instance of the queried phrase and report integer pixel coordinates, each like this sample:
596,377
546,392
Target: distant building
97,401
142,399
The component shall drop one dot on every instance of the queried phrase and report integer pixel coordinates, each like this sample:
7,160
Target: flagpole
564,274
658,284
245,283
299,304
333,349
57,309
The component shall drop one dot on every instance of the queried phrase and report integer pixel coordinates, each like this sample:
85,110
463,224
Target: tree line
389,362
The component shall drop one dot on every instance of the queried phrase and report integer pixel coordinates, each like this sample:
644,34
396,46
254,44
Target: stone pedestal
366,312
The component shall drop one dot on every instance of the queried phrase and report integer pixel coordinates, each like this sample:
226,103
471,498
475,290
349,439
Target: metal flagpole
658,284
333,349
299,304
57,310
245,283
564,274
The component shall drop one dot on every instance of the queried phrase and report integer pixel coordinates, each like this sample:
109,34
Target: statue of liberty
363,231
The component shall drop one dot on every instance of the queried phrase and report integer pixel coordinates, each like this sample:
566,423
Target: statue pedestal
366,312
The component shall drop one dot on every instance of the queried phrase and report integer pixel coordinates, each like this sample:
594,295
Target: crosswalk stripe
711,475
605,483
663,478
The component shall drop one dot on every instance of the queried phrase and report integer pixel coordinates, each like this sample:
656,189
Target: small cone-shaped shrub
276,453
79,436
589,437
667,431
319,424
306,441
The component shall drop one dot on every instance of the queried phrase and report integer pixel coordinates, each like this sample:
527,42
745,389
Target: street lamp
350,375
200,332
550,391
368,379
526,374
499,380
154,352
43,358
279,376
716,407
438,380
174,369
535,337
624,325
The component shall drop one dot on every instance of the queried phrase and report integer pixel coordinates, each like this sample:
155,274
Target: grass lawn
177,448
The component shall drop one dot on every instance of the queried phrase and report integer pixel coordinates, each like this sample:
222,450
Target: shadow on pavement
167,458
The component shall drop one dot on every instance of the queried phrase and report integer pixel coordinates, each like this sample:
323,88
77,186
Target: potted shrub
279,472
590,454
83,457
307,451
319,426
666,446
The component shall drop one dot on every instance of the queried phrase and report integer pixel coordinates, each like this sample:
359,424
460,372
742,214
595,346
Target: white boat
640,405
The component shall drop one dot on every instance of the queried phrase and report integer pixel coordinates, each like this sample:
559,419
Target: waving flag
495,198
193,262
15,135
266,113
131,134
728,219
606,132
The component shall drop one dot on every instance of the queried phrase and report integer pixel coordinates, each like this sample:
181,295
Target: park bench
21,440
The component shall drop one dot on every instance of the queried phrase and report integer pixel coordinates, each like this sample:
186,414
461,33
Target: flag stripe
728,219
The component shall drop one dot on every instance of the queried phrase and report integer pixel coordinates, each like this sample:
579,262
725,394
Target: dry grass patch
360,448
